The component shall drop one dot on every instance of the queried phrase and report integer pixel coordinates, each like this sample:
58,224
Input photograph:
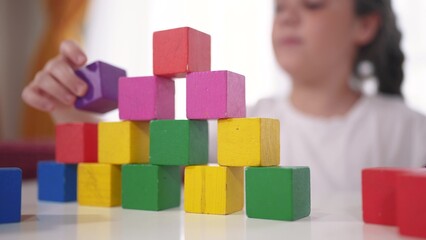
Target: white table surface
337,217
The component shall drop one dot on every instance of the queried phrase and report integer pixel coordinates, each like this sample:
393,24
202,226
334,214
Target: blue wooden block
57,182
10,195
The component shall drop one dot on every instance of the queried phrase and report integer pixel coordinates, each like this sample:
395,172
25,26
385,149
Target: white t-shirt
377,131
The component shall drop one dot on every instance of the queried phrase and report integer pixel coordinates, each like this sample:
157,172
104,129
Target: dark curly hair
384,52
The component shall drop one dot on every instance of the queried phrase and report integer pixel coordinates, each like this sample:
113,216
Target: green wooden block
278,193
179,142
150,187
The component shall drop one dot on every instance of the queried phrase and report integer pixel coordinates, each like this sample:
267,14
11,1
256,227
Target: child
326,123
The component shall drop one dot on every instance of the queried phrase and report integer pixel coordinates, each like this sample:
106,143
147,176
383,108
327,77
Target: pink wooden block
215,95
146,98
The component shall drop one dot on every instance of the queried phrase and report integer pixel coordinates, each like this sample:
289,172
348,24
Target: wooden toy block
146,98
179,51
57,182
150,187
411,204
99,185
214,189
76,142
123,142
10,195
248,142
102,92
179,142
278,193
379,195
214,95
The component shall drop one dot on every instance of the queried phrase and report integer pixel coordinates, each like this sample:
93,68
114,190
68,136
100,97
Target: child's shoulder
391,110
391,105
400,130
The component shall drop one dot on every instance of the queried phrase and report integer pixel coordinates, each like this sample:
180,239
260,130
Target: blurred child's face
314,36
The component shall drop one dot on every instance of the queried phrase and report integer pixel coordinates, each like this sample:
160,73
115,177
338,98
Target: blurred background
120,32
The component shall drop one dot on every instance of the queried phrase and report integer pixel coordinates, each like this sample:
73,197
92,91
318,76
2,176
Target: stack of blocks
77,143
395,197
136,162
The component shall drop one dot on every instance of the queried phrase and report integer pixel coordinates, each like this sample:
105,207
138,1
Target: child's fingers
51,86
37,99
73,53
62,72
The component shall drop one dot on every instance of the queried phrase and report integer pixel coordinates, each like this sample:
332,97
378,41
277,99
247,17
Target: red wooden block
76,143
411,204
379,195
179,51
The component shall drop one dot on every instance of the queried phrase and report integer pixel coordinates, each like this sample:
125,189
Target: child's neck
329,99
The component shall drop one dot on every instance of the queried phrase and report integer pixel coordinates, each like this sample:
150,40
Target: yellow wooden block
99,184
248,142
123,142
214,189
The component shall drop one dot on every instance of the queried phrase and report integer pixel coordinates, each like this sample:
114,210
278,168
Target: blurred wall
411,17
21,23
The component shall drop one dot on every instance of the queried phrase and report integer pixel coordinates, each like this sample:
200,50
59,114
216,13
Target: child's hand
56,86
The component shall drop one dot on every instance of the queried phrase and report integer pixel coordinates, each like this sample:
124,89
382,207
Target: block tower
136,162
172,143
77,147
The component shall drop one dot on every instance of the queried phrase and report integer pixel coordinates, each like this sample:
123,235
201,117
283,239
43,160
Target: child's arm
55,88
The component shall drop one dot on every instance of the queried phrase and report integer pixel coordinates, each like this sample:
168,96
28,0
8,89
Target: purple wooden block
215,95
146,98
102,92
